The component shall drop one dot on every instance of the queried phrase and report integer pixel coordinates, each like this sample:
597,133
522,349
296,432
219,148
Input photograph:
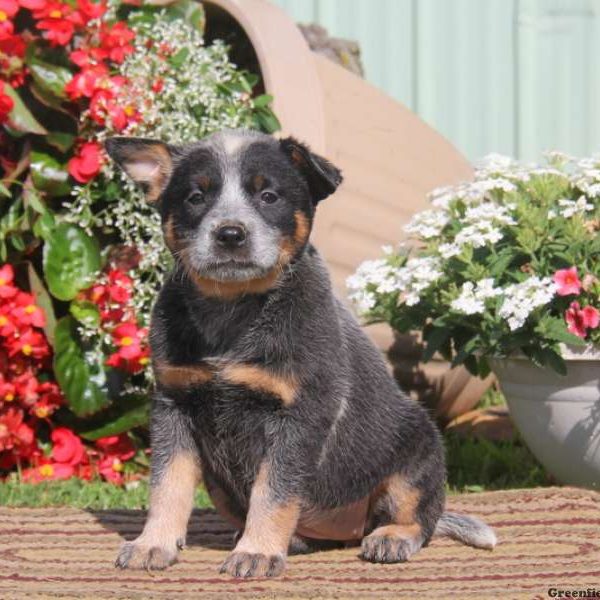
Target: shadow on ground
206,528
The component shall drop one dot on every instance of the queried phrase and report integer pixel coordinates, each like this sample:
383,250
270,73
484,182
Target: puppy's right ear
148,162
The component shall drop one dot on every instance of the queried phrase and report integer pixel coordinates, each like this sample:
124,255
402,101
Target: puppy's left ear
322,177
148,162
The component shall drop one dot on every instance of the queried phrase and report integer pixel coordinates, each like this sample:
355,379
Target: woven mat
549,538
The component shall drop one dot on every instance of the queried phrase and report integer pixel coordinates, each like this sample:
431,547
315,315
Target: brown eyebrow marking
260,379
176,376
258,181
204,182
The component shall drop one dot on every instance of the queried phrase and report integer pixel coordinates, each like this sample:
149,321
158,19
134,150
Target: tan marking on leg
171,504
176,376
269,524
261,380
405,498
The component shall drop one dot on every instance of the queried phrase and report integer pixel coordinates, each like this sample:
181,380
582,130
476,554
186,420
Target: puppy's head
236,207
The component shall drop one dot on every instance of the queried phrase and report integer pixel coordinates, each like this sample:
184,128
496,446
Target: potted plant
505,276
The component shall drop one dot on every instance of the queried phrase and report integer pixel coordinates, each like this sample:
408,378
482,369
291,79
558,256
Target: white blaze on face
233,207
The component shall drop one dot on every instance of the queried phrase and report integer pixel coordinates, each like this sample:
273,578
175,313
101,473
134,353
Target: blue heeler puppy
266,386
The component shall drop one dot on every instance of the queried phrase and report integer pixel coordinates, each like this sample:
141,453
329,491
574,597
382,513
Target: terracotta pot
390,158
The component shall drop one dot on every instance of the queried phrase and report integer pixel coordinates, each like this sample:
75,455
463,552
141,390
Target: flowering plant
81,252
506,263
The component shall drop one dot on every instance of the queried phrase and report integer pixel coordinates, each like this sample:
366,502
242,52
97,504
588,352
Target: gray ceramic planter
558,417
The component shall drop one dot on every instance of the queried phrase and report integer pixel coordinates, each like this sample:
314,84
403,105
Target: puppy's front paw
387,549
247,564
143,554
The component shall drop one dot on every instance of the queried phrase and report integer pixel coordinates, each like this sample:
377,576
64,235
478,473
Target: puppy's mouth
232,269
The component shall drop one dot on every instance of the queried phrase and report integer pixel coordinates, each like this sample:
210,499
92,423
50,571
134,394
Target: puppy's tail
466,529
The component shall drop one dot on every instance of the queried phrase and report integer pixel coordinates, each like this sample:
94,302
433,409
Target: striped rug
549,538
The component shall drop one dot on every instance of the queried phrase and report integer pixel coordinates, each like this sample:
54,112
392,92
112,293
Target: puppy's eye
269,197
196,197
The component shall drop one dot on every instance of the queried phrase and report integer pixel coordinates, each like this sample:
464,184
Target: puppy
266,386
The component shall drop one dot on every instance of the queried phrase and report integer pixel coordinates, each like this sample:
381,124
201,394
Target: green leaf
49,175
129,413
435,340
85,312
44,226
262,101
71,260
81,378
266,121
19,118
179,58
49,78
555,329
4,191
60,140
554,360
43,300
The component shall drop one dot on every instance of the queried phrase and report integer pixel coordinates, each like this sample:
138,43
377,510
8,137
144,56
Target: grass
475,465
94,495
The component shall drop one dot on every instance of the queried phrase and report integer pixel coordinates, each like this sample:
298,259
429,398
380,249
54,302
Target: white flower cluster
473,296
522,298
572,207
428,223
375,277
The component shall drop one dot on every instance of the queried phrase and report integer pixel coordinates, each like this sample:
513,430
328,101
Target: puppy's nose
231,236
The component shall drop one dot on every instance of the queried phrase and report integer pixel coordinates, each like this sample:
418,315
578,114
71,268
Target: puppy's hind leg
175,473
403,518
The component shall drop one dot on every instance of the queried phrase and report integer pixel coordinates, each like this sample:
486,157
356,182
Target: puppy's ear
322,177
148,162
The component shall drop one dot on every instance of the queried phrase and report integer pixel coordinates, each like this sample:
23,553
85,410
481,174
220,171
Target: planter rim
569,353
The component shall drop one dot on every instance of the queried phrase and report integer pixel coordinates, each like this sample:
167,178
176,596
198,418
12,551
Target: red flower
58,21
85,83
6,102
48,471
579,320
27,387
120,286
26,311
33,4
130,356
567,281
67,448
111,468
8,9
91,10
85,165
14,433
7,290
105,105
7,390
118,446
30,343
115,40
7,327
590,317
